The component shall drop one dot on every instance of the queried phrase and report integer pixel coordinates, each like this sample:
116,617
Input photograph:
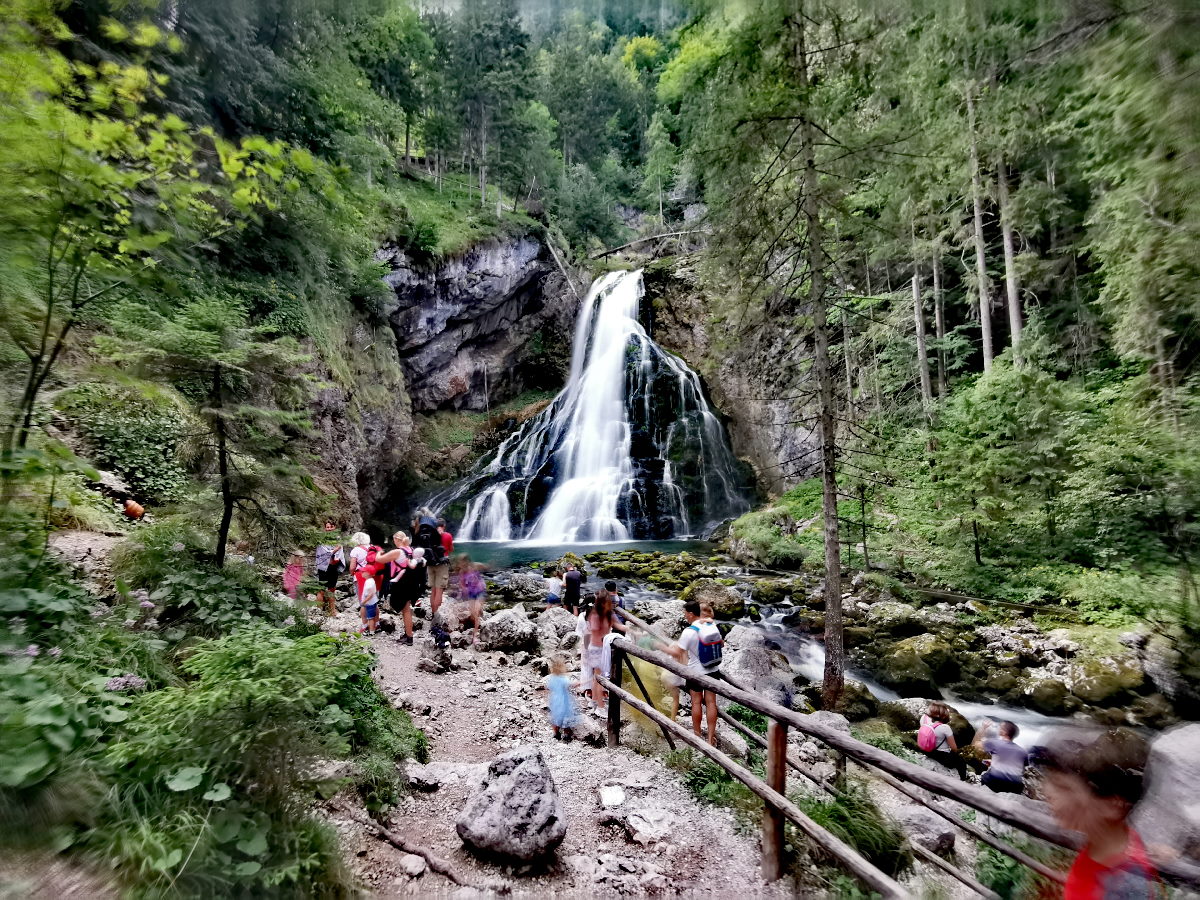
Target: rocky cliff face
757,375
463,327
457,331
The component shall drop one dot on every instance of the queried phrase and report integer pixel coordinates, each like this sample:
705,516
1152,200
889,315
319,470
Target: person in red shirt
1092,784
439,575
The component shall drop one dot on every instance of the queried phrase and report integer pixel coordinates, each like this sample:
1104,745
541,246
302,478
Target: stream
805,654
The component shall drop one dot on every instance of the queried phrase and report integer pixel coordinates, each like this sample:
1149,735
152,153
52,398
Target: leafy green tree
210,352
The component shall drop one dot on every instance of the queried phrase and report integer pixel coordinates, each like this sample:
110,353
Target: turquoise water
498,555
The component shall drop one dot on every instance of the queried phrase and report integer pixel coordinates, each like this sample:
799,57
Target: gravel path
484,708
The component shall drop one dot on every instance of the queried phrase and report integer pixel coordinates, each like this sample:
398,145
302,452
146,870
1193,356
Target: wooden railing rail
898,773
850,858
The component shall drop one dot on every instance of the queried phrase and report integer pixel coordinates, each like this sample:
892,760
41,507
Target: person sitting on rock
563,715
945,750
1006,774
1092,786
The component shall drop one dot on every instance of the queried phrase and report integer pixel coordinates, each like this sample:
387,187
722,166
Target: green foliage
855,818
712,784
130,433
755,721
1013,881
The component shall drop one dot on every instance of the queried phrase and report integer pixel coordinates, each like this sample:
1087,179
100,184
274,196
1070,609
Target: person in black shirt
572,588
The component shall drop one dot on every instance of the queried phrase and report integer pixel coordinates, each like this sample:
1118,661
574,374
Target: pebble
412,865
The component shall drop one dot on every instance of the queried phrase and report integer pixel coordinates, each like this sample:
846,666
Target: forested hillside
937,262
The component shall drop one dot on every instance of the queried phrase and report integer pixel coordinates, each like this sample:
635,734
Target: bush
131,433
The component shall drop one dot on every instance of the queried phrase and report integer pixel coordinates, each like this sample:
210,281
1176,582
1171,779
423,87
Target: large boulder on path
926,828
553,623
1169,814
434,659
516,811
523,587
509,629
758,668
453,615
726,602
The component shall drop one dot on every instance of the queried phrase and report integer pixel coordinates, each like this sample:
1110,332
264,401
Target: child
554,587
1092,786
293,574
369,608
473,590
563,715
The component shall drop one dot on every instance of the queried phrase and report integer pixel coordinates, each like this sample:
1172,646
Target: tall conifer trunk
939,320
981,276
1012,282
835,664
922,351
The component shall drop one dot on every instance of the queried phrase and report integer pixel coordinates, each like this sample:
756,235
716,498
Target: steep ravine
456,333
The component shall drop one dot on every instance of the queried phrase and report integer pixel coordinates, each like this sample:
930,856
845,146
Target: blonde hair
398,537
558,665
706,609
360,539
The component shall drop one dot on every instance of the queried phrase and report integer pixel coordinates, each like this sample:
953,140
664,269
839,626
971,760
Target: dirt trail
485,708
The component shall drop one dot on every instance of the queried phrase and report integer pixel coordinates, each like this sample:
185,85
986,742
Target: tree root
436,863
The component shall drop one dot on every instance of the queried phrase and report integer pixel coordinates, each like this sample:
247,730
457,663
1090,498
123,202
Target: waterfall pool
500,555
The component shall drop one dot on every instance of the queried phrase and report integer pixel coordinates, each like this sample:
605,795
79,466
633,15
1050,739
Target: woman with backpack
935,737
396,584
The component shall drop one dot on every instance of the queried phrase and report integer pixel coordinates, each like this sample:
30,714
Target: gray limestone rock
1169,813
509,630
926,828
516,811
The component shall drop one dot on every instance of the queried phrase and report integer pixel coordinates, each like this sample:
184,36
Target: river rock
569,641
726,602
742,636
926,828
893,616
1105,681
412,865
938,655
857,702
1176,677
1048,695
904,670
1169,814
757,668
516,811
453,615
832,720
523,587
509,630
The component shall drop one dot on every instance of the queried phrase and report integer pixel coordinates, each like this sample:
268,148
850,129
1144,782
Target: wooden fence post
773,819
617,658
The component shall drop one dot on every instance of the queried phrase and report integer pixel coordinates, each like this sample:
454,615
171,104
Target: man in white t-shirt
688,650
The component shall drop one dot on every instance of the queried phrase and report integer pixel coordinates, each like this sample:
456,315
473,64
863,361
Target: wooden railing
897,773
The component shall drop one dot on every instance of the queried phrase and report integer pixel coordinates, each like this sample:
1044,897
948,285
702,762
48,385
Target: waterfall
629,450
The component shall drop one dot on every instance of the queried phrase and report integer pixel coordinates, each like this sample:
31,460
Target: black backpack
427,536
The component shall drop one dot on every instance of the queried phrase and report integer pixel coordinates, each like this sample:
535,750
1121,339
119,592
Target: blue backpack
708,650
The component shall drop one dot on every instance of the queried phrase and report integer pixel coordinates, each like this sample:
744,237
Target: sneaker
408,639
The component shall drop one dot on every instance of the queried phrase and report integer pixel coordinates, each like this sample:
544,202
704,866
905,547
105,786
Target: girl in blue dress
563,714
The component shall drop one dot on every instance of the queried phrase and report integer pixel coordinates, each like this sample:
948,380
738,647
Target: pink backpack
926,736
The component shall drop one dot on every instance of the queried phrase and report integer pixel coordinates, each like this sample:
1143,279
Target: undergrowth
854,817
179,736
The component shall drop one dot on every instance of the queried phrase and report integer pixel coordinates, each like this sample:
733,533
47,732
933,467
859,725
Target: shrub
856,819
131,433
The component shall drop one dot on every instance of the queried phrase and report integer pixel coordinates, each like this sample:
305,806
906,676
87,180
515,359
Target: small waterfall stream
629,450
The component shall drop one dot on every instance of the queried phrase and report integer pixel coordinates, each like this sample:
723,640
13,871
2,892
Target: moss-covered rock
904,670
936,653
857,702
894,617
1049,695
1105,681
726,602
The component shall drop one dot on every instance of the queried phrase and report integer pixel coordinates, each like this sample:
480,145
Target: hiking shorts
696,687
329,577
439,576
371,610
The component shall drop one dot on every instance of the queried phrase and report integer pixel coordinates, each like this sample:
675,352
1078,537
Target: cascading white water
629,449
